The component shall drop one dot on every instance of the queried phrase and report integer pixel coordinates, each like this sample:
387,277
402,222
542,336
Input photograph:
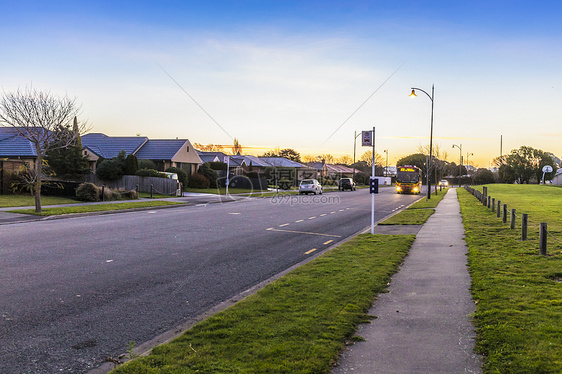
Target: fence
502,212
163,186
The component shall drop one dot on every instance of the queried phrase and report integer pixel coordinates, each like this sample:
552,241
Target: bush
146,164
88,192
182,175
198,180
150,173
131,165
210,174
109,170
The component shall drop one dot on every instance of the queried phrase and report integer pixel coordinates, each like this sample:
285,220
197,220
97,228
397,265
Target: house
164,153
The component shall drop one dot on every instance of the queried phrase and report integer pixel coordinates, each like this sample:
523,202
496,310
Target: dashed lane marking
304,232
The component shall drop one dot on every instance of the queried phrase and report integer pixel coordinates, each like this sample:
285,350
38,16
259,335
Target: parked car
346,184
444,183
310,186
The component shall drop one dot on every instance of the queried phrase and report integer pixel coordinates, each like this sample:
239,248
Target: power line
360,106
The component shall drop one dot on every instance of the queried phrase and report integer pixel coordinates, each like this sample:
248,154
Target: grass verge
518,293
7,201
416,214
298,324
96,208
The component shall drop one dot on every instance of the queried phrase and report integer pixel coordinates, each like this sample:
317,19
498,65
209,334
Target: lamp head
413,94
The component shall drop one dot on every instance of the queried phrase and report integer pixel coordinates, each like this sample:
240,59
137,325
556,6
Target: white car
310,186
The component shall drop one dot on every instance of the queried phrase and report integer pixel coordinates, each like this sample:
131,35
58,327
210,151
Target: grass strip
518,293
7,201
416,214
96,208
297,324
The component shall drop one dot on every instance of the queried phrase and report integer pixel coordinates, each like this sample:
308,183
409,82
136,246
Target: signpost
367,140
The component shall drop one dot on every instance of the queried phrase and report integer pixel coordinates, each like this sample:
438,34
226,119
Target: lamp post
431,97
386,168
460,161
354,146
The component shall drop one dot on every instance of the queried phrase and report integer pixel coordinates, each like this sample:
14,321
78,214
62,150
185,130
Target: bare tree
43,119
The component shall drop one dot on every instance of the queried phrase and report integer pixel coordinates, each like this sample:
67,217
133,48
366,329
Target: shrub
150,173
88,192
182,175
109,170
146,164
198,180
210,174
131,165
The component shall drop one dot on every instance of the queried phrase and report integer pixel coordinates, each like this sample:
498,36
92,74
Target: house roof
110,146
12,144
282,162
164,149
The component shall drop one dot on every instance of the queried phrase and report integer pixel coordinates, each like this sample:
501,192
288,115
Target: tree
483,176
236,147
40,117
524,164
208,147
67,161
344,160
368,158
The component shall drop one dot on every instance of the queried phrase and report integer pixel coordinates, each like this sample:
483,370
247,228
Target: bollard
504,219
512,219
499,208
151,190
102,192
493,204
542,239
524,220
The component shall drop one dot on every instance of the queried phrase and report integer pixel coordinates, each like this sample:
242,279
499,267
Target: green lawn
418,213
518,292
298,324
7,201
96,208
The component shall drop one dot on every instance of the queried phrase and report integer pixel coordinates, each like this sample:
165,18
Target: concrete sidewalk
424,321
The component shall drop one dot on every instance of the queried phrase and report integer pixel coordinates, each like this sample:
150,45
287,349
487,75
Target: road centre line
309,252
304,232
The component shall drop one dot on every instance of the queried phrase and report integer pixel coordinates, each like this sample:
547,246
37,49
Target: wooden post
542,239
524,220
512,219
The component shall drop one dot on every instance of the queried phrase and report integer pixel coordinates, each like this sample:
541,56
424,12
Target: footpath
423,323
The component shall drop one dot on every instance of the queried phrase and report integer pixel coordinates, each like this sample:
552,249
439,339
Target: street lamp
460,161
354,146
431,97
386,168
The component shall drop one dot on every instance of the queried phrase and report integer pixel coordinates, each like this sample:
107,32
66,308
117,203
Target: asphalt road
76,291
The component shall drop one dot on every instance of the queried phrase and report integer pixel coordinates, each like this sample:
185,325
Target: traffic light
374,185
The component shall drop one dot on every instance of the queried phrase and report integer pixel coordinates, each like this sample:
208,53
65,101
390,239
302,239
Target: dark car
346,184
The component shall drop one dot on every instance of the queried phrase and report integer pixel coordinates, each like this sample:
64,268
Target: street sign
366,138
547,169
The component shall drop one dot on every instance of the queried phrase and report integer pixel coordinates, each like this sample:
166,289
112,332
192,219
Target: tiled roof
282,162
163,149
110,146
14,145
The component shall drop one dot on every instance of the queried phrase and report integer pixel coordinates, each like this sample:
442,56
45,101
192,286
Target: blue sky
289,73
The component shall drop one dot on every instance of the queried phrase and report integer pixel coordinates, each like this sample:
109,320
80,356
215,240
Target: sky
300,74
